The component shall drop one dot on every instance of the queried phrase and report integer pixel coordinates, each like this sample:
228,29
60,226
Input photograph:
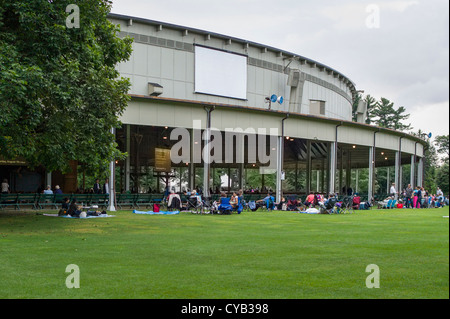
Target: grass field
255,255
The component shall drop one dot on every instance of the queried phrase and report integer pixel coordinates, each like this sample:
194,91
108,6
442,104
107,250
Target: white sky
404,57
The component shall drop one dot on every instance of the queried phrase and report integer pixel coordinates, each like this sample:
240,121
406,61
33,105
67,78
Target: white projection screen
220,73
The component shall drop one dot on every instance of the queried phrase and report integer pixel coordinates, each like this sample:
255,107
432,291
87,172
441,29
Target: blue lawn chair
225,207
240,206
270,203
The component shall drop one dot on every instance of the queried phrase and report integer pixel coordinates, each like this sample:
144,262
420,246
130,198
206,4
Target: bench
45,200
8,200
27,200
101,200
126,200
146,200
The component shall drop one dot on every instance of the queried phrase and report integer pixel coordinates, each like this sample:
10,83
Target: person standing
5,186
408,195
106,187
440,194
97,189
393,191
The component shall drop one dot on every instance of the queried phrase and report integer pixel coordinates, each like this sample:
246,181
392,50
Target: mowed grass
257,255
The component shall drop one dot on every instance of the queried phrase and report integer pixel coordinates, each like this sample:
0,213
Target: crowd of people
419,197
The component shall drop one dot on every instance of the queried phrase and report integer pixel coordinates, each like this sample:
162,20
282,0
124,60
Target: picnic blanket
156,213
100,216
310,211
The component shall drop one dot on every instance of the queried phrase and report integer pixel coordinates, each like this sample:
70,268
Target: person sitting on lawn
74,209
282,205
174,200
64,207
356,201
268,201
234,200
385,202
310,199
293,203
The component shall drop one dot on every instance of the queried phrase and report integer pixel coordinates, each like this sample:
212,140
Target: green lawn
257,255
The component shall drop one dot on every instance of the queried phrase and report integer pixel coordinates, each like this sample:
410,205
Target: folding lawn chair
329,206
225,208
269,203
347,205
356,202
293,204
194,205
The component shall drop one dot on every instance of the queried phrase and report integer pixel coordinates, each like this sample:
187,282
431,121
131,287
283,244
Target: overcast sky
398,50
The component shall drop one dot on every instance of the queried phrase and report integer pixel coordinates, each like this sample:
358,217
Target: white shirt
5,187
107,188
393,191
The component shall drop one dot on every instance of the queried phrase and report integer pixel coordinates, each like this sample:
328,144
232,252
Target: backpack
175,203
252,205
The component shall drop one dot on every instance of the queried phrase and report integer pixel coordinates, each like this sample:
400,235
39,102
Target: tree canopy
443,146
384,114
60,91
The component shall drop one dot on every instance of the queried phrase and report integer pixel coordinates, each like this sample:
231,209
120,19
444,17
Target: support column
128,159
413,169
112,181
341,171
191,167
207,154
420,173
371,173
308,167
328,189
279,168
357,180
318,181
332,169
388,184
398,184
348,171
322,181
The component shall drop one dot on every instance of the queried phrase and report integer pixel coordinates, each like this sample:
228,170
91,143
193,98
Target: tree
60,92
371,103
442,178
441,143
384,114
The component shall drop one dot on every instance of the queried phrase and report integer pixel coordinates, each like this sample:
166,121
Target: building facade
199,81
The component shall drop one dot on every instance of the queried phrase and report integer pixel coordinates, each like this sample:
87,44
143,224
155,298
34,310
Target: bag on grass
156,208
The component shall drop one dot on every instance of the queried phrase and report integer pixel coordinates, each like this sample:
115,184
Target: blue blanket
156,213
